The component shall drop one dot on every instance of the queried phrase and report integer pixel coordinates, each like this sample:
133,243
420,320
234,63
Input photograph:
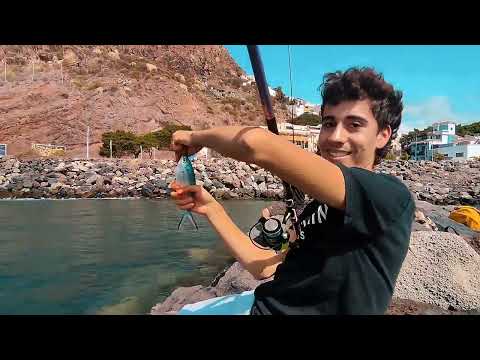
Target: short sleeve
374,201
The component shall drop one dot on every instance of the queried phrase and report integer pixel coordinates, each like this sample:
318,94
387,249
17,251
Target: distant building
442,140
309,108
298,109
459,152
306,137
442,135
247,80
301,106
3,150
396,146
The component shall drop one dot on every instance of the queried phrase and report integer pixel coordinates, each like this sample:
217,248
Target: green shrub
307,119
123,143
390,156
93,85
164,136
127,143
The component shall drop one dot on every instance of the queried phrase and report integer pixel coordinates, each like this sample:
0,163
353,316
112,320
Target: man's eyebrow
357,118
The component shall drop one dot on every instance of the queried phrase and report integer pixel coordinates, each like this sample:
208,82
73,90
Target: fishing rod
293,197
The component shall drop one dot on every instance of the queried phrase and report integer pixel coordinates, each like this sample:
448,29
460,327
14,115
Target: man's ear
383,136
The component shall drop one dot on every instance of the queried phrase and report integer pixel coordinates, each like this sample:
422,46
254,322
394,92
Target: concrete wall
48,150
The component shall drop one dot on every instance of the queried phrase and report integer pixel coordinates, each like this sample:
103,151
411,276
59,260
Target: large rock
232,280
179,77
92,180
180,297
70,58
217,184
236,280
440,269
258,179
150,67
114,55
147,190
231,181
207,184
161,184
28,183
246,193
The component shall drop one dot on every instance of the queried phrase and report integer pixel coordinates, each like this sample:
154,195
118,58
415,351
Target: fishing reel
271,233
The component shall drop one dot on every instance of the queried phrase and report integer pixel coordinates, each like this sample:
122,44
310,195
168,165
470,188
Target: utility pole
110,149
61,63
141,152
88,141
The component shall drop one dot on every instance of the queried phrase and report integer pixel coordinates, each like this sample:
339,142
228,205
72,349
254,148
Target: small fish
185,175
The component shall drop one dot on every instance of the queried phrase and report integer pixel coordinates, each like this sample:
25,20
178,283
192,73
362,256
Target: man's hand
194,198
182,144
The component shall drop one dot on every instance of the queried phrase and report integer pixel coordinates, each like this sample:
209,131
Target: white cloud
422,115
435,108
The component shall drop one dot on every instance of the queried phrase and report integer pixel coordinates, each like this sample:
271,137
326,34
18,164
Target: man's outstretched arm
309,172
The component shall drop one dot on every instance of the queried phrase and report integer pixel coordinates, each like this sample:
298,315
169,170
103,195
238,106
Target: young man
354,235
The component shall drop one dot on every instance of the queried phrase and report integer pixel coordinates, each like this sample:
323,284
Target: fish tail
187,215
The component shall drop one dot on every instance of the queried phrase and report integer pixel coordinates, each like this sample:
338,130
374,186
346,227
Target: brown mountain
53,93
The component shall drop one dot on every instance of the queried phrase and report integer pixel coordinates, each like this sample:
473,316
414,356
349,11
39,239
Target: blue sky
438,82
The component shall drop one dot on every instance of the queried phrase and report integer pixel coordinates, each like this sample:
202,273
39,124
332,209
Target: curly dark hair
365,83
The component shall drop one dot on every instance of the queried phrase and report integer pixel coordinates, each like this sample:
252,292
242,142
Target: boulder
150,67
179,77
180,297
232,280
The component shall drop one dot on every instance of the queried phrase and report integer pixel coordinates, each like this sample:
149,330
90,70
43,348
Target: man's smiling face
350,134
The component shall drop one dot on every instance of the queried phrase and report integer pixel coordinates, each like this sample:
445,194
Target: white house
444,132
442,140
272,92
442,136
459,152
298,109
247,80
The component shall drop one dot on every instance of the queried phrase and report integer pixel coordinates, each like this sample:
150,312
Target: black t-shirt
347,261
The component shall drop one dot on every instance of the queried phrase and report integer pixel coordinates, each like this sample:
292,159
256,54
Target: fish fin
192,220
187,214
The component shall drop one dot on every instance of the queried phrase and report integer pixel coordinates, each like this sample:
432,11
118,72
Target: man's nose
338,134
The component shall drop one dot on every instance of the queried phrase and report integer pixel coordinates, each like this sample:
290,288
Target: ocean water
117,256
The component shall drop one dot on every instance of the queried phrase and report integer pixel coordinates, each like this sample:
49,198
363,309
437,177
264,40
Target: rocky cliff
53,93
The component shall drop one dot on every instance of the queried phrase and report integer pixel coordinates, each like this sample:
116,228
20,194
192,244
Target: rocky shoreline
440,274
118,178
440,183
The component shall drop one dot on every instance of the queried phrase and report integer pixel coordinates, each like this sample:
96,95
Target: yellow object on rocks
467,215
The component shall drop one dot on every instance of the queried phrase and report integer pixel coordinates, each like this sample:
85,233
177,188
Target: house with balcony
442,140
442,135
303,136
